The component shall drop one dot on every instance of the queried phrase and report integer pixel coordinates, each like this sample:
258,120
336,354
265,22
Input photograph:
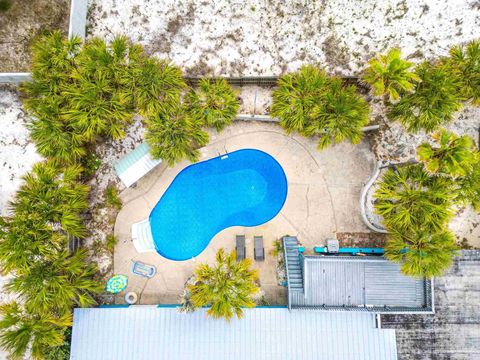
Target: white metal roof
359,281
150,332
135,165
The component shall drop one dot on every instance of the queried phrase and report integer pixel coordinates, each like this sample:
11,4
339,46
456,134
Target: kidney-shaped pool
244,188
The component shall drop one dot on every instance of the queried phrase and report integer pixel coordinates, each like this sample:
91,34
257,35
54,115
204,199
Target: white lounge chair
142,237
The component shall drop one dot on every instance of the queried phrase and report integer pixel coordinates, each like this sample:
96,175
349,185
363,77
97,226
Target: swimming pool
244,188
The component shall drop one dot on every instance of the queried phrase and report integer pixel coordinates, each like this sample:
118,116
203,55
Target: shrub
22,331
433,102
78,94
61,352
409,199
390,76
45,214
99,98
56,285
53,60
5,5
111,241
112,198
90,164
314,104
451,155
421,253
341,116
214,103
174,135
464,63
468,187
227,287
157,84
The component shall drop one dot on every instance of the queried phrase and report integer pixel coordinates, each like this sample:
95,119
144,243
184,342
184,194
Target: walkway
323,198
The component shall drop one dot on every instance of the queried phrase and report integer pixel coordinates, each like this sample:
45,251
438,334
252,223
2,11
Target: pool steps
142,237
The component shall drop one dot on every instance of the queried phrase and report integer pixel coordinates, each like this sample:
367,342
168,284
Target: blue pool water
246,188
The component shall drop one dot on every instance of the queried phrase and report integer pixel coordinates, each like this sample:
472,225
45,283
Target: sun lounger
258,250
142,269
240,247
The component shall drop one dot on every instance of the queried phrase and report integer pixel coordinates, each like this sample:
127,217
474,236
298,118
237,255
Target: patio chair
240,247
258,250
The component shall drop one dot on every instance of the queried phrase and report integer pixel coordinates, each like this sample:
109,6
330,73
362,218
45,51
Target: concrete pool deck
323,199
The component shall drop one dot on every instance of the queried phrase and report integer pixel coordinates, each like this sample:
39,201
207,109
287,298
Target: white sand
17,153
255,37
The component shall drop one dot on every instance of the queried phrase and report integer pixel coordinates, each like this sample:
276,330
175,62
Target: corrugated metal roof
135,165
144,332
354,281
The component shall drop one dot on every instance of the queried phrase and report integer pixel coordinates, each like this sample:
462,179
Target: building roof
367,282
135,165
149,332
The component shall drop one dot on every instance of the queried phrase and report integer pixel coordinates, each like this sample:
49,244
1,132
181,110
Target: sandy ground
25,20
264,37
17,153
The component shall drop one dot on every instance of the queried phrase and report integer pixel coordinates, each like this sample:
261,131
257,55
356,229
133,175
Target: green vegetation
422,253
408,198
433,102
45,214
176,131
5,5
452,155
214,103
112,198
157,85
61,352
22,330
468,187
111,241
175,135
390,76
464,64
417,202
79,94
416,208
314,104
226,287
56,285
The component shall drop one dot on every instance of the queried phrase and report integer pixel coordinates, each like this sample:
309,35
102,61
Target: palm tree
24,240
21,330
54,195
341,116
52,63
57,285
468,187
297,95
54,139
157,84
421,253
451,155
390,76
173,135
409,199
226,287
433,102
214,103
100,99
313,104
464,63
